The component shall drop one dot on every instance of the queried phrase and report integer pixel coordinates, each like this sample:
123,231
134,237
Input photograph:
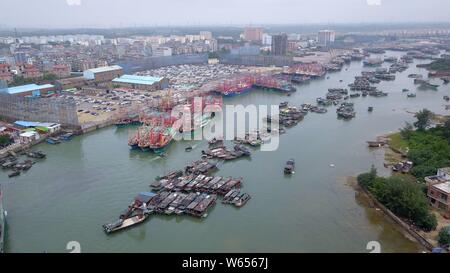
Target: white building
266,39
213,46
162,51
28,136
205,35
326,37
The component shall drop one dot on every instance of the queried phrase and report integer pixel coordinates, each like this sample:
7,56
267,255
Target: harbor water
90,180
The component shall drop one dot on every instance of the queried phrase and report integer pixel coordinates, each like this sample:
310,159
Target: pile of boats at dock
12,162
238,85
403,167
65,136
192,191
289,116
364,83
346,110
225,153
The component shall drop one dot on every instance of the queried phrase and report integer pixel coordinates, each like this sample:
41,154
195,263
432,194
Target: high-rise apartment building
253,34
279,44
326,38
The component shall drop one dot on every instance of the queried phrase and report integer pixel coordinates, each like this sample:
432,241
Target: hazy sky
122,13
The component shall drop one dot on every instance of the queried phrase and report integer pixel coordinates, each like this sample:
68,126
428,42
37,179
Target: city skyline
139,13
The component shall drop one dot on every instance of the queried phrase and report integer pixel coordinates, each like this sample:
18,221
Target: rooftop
34,124
134,79
104,69
28,134
445,187
27,88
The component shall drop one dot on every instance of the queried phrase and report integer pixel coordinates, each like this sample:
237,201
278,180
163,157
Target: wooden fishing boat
124,223
290,166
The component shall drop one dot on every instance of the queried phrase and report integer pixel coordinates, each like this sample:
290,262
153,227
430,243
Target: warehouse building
142,82
31,90
70,83
103,74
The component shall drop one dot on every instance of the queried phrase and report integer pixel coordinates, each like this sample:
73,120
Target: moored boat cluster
12,163
192,192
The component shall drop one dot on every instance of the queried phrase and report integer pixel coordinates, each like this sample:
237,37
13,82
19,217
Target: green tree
403,197
444,236
407,131
365,180
49,77
5,140
446,130
424,119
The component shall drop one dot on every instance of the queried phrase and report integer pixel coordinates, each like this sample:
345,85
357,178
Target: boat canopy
144,197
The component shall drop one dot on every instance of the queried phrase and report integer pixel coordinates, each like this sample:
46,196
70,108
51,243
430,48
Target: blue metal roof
27,88
24,123
134,79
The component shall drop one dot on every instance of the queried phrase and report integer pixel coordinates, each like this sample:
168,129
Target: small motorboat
370,109
188,149
411,95
53,140
37,154
290,166
13,174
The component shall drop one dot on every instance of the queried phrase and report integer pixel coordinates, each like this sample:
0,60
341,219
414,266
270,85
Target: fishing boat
36,154
243,199
53,140
375,144
66,136
2,223
290,166
14,174
124,223
231,89
127,122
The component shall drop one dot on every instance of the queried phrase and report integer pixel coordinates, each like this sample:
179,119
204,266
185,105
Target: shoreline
392,155
405,229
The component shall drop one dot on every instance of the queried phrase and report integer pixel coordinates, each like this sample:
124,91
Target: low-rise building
31,90
46,127
439,189
162,52
61,70
103,74
142,82
70,83
5,73
29,71
28,136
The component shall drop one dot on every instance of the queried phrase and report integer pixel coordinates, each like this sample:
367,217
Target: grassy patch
398,143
